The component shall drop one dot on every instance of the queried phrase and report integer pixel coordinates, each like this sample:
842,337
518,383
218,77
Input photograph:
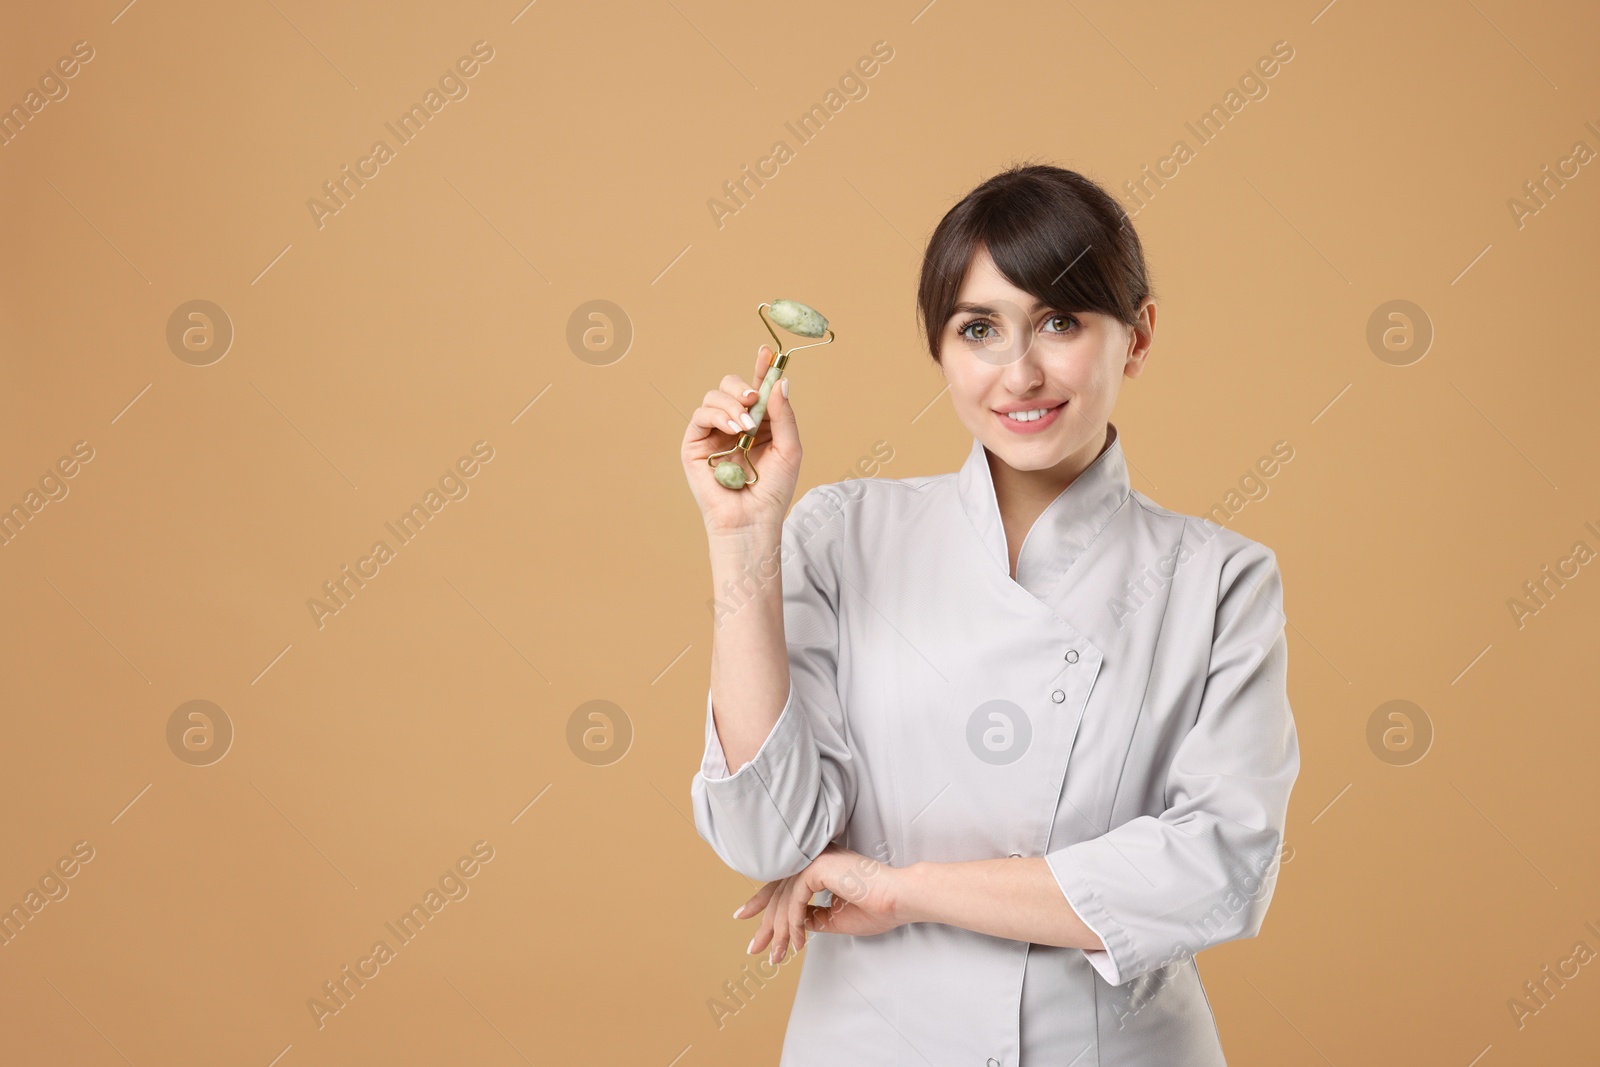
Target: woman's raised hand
715,426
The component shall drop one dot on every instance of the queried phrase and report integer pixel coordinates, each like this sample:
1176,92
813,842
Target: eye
961,331
1062,319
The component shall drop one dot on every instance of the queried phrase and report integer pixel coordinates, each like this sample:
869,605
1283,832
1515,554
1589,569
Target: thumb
785,431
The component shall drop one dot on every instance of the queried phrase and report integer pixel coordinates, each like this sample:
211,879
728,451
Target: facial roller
796,318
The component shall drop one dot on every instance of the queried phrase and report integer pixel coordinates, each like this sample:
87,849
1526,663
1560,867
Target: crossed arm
1016,898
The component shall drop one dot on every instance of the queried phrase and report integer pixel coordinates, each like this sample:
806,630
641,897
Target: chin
1028,455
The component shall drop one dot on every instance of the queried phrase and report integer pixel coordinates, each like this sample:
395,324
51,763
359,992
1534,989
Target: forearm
1016,898
749,656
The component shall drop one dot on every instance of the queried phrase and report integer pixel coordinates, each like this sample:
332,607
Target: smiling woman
1028,814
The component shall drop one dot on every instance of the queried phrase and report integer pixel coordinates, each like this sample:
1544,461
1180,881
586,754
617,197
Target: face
1002,352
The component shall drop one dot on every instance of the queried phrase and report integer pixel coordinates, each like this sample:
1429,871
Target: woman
1027,731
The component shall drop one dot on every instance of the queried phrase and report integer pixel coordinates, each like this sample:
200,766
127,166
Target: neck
1018,490
1023,495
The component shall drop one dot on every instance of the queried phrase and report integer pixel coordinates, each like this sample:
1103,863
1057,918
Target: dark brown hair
1052,232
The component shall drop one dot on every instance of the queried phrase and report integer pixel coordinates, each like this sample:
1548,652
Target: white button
1058,696
1016,855
1072,655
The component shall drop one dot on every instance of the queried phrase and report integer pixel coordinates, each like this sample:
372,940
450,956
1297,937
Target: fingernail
734,426
783,383
749,423
751,947
751,392
739,911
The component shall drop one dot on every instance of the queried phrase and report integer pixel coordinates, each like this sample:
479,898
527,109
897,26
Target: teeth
1028,416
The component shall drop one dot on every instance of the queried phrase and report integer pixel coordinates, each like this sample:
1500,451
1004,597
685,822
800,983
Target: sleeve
774,815
1159,889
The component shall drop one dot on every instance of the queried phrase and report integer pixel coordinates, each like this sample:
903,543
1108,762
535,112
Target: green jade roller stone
799,319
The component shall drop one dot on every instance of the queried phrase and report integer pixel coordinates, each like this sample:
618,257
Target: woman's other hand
864,902
715,426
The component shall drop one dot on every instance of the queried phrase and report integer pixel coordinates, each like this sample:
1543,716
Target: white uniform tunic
1119,709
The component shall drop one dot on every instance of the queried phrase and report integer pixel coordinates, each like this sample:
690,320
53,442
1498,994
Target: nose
1025,373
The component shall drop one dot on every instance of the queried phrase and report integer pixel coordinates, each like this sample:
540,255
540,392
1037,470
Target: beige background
431,712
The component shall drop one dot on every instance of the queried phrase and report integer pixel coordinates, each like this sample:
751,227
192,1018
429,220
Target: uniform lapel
1066,528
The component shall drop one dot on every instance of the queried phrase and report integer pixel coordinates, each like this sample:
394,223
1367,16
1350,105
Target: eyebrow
967,307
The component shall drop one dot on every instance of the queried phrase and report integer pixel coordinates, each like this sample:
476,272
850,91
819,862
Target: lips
1038,425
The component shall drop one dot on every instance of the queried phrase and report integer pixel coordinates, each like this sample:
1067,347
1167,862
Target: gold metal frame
780,360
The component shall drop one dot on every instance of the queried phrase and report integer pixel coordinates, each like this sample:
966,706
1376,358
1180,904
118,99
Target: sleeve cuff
1109,961
714,764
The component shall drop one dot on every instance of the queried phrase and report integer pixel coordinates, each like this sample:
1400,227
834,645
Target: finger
740,390
757,902
798,903
715,417
780,416
765,933
764,357
735,418
795,914
780,927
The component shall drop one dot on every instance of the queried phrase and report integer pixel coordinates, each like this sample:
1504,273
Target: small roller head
797,318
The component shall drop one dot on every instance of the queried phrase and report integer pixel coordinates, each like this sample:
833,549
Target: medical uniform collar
1067,527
